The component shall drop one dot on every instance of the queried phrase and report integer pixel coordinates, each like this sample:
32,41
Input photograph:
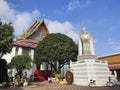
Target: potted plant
26,82
16,81
57,75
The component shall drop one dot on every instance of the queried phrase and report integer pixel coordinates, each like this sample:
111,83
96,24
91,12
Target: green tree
56,48
21,62
6,37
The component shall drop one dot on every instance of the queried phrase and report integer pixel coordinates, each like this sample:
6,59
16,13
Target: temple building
27,42
113,63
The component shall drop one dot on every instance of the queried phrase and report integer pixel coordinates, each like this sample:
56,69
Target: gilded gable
38,30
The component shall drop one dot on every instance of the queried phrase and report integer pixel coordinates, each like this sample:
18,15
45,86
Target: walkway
54,86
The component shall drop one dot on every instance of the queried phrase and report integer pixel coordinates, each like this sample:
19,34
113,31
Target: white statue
88,70
86,45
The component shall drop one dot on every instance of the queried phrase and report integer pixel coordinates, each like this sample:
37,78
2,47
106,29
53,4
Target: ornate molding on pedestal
86,57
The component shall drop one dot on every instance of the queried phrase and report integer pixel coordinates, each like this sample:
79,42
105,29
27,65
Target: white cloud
112,42
73,4
114,45
65,28
20,20
95,41
6,12
117,48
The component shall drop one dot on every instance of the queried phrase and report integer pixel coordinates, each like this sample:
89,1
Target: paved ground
54,86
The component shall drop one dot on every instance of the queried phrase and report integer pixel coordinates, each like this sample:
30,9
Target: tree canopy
6,37
21,62
56,47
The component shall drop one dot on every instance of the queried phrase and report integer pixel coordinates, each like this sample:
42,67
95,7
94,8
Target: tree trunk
1,54
50,63
59,67
61,64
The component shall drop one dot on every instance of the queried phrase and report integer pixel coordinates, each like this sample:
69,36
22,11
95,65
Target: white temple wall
43,66
14,52
31,71
64,69
19,51
10,55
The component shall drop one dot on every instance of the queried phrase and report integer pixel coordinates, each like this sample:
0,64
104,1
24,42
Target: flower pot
25,83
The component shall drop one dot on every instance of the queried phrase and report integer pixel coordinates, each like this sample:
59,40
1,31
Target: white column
115,73
43,66
19,51
31,54
13,51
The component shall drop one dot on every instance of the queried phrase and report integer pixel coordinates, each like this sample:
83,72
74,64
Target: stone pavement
55,86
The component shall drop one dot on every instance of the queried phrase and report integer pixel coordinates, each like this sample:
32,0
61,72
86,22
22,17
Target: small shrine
88,70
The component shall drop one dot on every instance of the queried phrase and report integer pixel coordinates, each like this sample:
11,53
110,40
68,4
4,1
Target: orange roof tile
114,66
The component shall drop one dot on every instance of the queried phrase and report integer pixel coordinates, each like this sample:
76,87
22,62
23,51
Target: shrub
57,75
118,78
17,78
4,84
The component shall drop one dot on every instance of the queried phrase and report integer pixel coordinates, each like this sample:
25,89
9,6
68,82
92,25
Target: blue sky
101,18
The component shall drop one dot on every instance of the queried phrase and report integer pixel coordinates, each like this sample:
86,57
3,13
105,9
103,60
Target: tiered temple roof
34,28
27,43
30,39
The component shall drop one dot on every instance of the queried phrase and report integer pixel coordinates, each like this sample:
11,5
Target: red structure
41,75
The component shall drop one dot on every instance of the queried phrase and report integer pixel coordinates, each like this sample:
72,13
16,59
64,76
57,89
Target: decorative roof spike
83,27
38,18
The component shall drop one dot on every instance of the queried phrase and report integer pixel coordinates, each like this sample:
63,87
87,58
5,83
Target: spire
37,18
83,27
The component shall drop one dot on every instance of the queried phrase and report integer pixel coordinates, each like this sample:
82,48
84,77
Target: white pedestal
90,69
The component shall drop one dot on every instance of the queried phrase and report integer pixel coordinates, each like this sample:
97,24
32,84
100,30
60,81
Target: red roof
27,43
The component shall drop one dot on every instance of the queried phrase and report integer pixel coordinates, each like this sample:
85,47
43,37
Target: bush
57,75
118,78
4,84
17,78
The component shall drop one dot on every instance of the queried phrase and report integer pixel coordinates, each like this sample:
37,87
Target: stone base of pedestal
90,72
